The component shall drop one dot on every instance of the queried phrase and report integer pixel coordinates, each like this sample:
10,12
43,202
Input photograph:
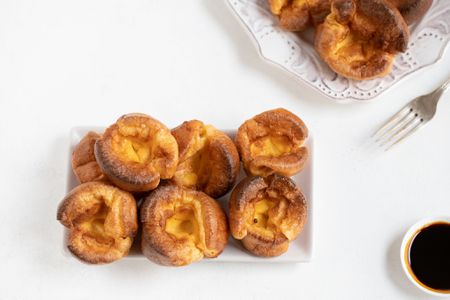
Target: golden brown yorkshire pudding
102,221
84,164
208,159
296,15
267,214
412,10
181,226
136,152
273,142
360,37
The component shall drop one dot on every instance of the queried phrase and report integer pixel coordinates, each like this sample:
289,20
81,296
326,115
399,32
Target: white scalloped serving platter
295,53
300,250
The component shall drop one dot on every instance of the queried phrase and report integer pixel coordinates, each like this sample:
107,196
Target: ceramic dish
404,251
300,250
295,53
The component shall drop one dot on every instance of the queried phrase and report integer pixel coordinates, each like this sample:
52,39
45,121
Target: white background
86,62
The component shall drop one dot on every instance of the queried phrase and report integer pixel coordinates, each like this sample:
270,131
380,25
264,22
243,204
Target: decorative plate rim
350,98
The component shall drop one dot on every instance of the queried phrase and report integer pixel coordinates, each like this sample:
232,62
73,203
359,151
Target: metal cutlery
410,118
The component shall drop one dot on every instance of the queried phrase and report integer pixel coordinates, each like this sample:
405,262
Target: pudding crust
137,152
102,222
297,15
273,142
181,226
208,159
84,165
266,214
360,38
412,10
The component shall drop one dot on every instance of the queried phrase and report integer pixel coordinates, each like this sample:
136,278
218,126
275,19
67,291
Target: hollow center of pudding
261,215
135,151
132,149
193,171
277,5
183,224
354,48
95,225
273,146
355,43
133,143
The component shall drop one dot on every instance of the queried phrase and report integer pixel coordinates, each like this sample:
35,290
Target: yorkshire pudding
208,159
181,226
136,152
102,221
412,10
360,37
266,214
296,15
273,142
84,164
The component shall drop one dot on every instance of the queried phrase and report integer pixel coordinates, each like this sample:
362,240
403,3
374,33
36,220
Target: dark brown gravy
429,256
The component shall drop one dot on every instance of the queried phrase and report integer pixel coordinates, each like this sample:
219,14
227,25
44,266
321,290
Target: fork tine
399,131
391,121
411,131
387,134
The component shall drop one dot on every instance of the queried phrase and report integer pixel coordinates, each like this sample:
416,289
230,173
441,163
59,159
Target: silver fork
413,116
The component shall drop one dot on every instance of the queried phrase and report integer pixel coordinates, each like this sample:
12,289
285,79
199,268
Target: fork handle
445,85
435,95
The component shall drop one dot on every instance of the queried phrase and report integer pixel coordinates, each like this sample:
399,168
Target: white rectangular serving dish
300,250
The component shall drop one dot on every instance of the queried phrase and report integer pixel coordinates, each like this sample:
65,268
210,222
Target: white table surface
70,63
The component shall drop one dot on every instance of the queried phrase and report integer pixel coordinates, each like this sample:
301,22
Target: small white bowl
404,253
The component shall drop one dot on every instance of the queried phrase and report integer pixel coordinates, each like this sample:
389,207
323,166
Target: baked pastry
273,142
412,10
136,152
84,165
181,226
266,214
319,10
360,38
297,15
102,221
208,159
